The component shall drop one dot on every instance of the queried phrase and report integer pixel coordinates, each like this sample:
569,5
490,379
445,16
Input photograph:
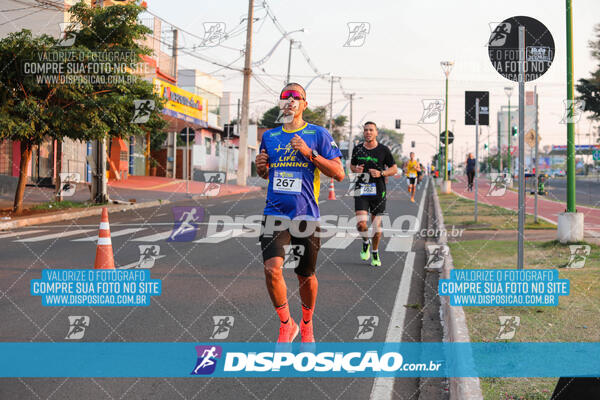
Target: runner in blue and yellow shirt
292,157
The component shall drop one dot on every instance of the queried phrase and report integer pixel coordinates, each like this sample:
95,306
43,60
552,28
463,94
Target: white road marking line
341,240
56,235
154,237
383,388
221,236
112,234
21,233
400,243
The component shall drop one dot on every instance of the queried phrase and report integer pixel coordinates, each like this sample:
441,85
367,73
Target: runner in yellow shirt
412,169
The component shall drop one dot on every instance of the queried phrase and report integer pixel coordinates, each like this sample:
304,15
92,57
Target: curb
453,318
97,210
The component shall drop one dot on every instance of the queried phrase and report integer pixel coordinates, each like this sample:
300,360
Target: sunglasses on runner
296,95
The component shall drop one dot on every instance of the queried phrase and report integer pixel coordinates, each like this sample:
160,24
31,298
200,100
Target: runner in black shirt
370,159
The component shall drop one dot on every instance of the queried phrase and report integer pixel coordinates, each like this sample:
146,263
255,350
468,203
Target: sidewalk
134,192
547,209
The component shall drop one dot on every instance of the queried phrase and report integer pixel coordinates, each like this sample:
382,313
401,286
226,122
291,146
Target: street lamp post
292,41
453,121
508,90
446,67
570,223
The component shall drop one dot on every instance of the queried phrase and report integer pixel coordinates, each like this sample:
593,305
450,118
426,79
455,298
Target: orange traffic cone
331,191
104,250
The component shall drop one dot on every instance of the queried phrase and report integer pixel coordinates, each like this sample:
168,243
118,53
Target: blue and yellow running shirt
293,179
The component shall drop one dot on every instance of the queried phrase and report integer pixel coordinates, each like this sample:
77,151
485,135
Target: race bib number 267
289,182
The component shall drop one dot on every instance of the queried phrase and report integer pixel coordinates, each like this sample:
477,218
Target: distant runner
412,169
292,157
371,157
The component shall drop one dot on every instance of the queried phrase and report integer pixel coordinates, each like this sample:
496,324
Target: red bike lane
547,209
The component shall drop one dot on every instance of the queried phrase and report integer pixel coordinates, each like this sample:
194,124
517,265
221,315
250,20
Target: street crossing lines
340,241
221,236
22,233
112,234
154,237
58,235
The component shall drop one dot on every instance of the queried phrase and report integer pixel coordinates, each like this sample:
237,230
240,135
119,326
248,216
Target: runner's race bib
289,182
368,189
412,174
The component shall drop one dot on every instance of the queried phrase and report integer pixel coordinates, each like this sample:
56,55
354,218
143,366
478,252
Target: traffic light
514,131
398,124
412,144
485,146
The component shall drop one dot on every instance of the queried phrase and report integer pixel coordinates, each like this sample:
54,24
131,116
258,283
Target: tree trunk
58,181
25,159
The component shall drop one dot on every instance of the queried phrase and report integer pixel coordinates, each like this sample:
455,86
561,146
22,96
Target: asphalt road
587,190
216,275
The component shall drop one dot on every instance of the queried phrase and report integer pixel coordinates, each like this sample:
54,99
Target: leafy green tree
316,116
269,117
589,89
32,110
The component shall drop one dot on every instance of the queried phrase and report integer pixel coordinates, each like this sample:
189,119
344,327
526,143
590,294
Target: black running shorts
301,241
372,204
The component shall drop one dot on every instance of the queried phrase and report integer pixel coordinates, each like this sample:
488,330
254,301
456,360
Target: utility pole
439,162
536,163
289,61
175,34
570,223
570,125
521,165
243,151
350,134
476,156
331,106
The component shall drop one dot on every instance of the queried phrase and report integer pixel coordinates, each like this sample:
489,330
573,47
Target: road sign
503,48
596,155
443,137
484,107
